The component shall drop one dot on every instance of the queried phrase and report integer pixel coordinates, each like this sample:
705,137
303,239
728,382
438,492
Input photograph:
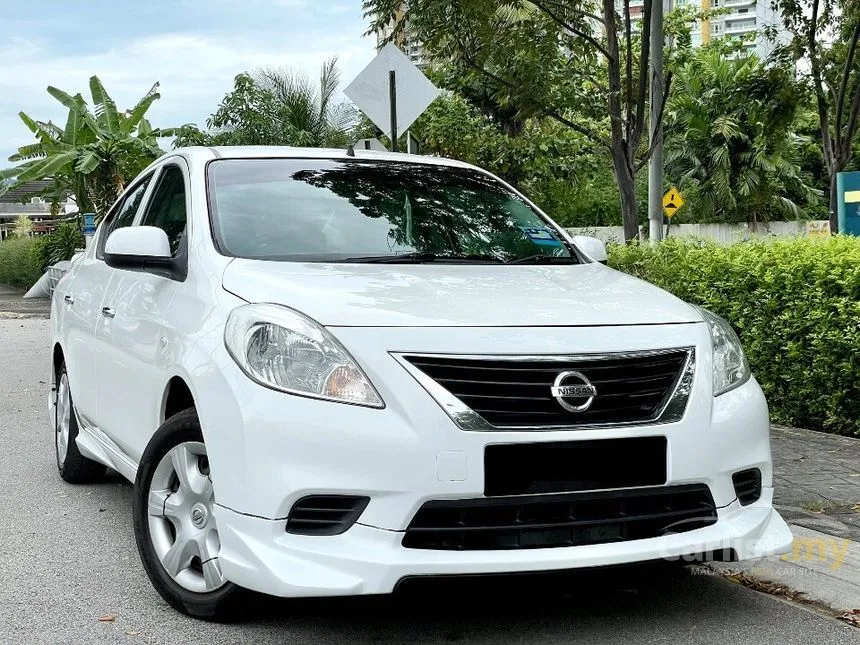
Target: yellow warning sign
672,201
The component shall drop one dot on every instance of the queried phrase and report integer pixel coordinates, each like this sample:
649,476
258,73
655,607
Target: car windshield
327,210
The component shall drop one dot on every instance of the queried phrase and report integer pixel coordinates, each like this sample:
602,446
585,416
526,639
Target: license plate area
573,466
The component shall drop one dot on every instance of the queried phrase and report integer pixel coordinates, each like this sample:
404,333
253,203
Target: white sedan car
328,371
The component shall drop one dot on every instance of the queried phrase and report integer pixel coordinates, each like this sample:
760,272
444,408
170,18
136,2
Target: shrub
20,265
23,226
795,304
59,245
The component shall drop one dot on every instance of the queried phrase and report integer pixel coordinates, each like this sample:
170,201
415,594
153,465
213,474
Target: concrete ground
68,558
12,305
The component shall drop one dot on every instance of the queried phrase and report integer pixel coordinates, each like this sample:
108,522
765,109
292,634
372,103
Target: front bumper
268,449
258,554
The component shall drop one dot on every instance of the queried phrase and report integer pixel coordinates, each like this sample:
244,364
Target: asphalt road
67,557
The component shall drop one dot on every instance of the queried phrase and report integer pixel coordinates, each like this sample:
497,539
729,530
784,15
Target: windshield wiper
539,258
423,256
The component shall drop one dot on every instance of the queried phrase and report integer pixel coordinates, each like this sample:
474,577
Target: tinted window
124,214
329,210
166,209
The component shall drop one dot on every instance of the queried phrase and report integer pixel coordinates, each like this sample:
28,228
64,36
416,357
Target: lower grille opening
325,514
747,485
545,521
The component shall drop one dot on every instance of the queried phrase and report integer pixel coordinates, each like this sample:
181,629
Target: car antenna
350,150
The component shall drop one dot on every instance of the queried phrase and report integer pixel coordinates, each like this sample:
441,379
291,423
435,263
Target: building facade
406,41
20,201
741,18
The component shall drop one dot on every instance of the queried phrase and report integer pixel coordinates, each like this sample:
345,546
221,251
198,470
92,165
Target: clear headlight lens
731,368
284,350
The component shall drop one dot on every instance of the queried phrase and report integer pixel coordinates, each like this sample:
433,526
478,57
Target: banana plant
94,155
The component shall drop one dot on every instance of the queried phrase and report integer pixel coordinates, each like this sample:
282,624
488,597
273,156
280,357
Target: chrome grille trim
671,411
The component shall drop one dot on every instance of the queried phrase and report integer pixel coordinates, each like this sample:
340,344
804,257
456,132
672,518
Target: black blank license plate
572,466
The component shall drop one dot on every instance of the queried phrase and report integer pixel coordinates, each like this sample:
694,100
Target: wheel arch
58,358
177,397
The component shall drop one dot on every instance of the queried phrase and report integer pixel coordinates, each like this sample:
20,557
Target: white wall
723,233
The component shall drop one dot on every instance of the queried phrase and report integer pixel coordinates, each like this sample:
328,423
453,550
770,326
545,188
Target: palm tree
730,140
308,116
278,107
95,155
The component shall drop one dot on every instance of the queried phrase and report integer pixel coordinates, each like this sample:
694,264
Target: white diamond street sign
392,86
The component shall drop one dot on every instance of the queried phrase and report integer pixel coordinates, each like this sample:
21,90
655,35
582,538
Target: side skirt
96,445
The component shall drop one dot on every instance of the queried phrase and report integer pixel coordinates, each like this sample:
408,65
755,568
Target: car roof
201,154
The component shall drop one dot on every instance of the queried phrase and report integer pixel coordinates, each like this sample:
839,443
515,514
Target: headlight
284,350
731,368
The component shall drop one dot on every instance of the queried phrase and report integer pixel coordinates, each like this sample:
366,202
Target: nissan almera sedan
330,371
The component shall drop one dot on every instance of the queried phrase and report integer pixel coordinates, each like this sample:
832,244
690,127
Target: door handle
70,299
107,312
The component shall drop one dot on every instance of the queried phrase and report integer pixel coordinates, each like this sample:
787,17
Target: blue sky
194,48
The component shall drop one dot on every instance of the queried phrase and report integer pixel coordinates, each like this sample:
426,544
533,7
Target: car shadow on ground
449,608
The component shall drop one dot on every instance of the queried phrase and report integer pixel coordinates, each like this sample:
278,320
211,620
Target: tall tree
577,62
826,33
95,154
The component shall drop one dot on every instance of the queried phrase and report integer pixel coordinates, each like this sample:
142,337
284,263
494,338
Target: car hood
456,295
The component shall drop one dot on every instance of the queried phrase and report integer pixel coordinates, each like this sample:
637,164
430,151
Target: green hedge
795,304
20,261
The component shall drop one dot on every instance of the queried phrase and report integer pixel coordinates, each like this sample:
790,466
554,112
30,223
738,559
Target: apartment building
406,41
741,18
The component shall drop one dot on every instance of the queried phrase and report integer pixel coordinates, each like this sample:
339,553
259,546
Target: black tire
74,467
219,605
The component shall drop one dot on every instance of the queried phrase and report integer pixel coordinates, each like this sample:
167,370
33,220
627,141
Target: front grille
325,514
747,485
545,521
509,392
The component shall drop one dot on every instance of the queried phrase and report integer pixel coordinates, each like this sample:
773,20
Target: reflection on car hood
456,295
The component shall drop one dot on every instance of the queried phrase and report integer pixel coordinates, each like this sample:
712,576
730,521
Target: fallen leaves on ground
766,586
851,617
107,618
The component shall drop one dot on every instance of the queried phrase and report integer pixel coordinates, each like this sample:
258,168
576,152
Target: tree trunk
627,188
834,220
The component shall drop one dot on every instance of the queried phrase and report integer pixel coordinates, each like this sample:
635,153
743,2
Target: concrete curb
14,315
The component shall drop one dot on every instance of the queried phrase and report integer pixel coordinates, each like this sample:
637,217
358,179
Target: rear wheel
174,526
73,466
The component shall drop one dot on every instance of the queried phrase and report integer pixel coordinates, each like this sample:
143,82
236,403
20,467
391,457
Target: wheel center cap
199,515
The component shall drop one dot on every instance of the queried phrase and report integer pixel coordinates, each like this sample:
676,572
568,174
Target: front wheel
174,526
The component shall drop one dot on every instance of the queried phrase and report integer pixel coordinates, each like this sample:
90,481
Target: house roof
23,193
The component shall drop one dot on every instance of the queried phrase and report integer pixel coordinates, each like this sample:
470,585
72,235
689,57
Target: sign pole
392,98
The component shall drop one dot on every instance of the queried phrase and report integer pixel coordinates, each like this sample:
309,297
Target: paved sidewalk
819,568
817,480
13,305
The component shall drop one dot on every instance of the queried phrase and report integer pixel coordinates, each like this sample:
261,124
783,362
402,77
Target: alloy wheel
181,524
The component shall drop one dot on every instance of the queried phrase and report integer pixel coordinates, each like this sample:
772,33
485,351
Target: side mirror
140,248
592,247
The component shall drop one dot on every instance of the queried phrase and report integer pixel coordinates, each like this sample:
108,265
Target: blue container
848,202
89,224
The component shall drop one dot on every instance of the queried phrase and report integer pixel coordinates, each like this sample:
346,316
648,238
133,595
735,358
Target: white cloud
195,71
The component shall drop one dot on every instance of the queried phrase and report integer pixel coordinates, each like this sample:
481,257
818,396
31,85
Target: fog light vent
747,485
325,514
